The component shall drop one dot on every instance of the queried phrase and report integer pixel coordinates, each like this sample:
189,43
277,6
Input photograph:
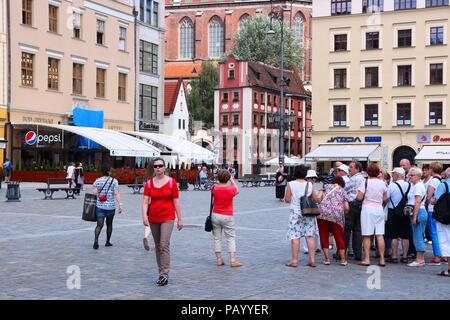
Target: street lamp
279,16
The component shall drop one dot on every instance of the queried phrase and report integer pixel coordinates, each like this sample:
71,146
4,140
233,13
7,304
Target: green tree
252,43
201,97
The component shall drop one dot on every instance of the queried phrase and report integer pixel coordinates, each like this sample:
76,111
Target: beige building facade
3,77
68,54
385,78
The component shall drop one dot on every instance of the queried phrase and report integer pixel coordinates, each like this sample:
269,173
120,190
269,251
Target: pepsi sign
31,138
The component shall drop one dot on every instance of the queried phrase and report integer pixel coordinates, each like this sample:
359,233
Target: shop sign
31,138
441,139
344,139
372,139
423,138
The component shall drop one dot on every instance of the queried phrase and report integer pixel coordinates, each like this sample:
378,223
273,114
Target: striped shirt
109,185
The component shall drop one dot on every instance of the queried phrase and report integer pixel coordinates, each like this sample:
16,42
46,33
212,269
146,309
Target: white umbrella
294,161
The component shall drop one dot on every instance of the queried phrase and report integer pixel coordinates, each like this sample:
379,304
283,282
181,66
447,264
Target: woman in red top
158,211
222,216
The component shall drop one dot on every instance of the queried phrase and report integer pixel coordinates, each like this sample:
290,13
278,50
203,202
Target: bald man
406,165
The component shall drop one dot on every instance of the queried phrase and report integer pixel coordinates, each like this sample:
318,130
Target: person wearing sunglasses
159,206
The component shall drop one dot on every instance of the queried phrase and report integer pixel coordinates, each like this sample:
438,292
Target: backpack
399,209
441,211
8,165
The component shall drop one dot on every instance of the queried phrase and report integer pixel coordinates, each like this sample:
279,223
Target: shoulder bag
208,222
308,207
89,205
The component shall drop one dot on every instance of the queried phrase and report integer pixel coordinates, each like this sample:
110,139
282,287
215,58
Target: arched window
298,28
244,18
186,39
215,48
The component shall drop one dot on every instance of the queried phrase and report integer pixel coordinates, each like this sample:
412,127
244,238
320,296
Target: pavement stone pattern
40,239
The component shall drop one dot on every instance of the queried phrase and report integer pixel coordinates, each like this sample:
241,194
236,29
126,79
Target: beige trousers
223,223
161,233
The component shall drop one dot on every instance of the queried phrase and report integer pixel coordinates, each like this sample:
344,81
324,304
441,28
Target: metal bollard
13,191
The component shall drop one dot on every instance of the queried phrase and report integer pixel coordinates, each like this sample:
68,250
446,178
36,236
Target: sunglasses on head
156,166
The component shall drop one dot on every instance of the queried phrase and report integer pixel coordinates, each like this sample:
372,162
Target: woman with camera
160,204
416,209
106,188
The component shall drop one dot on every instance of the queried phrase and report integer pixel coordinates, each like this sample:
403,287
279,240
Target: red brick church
199,30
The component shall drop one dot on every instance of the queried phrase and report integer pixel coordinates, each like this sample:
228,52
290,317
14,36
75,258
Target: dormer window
231,71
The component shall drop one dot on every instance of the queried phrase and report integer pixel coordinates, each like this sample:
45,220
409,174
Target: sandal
343,263
292,265
404,260
445,273
326,262
363,264
312,265
392,260
220,264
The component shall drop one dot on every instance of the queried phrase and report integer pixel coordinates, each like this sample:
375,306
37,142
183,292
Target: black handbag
309,208
89,207
208,222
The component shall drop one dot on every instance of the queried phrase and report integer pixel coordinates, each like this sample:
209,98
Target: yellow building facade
381,79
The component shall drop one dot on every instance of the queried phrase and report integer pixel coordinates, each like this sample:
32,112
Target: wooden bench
138,185
54,185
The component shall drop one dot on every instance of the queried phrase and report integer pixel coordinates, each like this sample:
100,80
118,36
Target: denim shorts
103,213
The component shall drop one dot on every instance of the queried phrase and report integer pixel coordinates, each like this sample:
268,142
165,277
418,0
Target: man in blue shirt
443,230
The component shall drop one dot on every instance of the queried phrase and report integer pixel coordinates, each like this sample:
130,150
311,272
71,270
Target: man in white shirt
398,225
69,176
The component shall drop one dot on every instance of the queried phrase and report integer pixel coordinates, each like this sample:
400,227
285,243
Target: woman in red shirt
222,216
158,211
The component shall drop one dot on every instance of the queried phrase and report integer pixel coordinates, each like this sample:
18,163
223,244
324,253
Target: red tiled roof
266,76
175,70
171,91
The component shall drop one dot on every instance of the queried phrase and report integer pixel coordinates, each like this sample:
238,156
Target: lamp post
280,16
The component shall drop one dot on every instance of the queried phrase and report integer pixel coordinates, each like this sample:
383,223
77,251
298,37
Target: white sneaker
416,264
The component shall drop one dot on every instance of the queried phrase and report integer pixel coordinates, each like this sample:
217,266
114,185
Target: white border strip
108,11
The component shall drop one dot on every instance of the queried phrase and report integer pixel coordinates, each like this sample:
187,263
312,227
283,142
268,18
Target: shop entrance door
403,152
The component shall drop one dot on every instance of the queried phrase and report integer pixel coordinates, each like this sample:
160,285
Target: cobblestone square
41,239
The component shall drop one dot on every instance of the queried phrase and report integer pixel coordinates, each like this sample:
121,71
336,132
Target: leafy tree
201,96
252,43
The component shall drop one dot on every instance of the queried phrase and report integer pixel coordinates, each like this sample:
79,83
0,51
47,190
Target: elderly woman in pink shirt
373,193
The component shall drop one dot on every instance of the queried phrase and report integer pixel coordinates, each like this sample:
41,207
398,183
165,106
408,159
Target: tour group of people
358,208
371,207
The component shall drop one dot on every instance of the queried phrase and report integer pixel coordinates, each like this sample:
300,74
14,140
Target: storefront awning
118,144
178,146
434,153
351,152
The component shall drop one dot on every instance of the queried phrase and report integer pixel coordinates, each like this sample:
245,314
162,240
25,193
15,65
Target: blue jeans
419,229
433,234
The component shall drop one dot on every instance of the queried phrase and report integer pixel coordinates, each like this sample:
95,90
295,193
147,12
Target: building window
148,57
52,18
53,74
255,119
243,20
339,116
186,39
142,10
224,148
339,7
340,78
298,29
27,12
262,118
436,73
100,83
225,120
148,12
405,4
231,74
436,35
340,42
371,77
155,14
27,69
255,97
77,79
235,96
269,144
235,143
122,38
404,38
436,3
225,97
76,25
372,6
403,114
100,32
372,40
148,102
122,89
371,115
404,75
269,100
262,98
435,114
184,124
235,119
179,124
216,38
